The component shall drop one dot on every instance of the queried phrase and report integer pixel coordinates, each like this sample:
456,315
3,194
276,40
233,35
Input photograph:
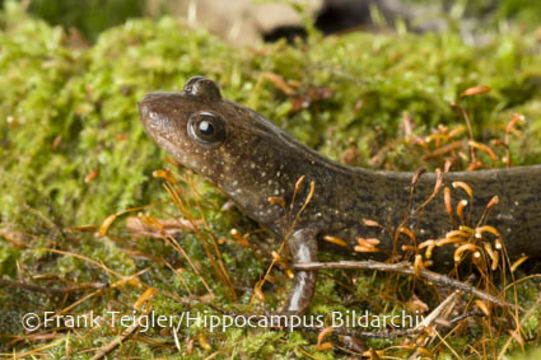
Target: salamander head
233,146
193,125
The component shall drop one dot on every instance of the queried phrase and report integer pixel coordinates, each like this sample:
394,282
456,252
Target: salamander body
252,160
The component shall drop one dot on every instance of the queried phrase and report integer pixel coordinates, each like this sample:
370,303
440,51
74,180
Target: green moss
8,259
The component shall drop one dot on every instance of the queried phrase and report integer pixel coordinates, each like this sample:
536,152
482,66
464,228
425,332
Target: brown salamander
251,160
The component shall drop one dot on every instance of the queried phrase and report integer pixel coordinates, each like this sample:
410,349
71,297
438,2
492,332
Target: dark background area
334,15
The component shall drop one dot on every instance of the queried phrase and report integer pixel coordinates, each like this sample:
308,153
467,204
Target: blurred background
248,21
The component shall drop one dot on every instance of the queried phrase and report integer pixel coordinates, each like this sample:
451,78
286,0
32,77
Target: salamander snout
145,106
154,102
161,110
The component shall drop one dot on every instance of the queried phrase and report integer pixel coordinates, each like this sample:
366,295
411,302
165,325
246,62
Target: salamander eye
203,88
207,128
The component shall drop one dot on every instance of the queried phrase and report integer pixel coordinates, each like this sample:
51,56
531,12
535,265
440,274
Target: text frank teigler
222,322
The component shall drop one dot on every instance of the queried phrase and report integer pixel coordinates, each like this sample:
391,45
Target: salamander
252,160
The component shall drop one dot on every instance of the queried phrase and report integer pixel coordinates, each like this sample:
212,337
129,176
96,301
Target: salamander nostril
143,108
157,103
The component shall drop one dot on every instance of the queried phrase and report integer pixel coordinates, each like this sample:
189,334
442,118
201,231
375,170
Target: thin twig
104,351
52,290
403,268
441,312
442,308
461,317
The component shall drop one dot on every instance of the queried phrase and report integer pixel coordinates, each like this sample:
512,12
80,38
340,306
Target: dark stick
403,268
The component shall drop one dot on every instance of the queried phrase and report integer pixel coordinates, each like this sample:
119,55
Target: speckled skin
251,159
